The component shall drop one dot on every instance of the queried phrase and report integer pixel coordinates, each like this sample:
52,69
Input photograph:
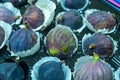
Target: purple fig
16,3
71,18
94,70
11,71
61,42
99,43
24,42
100,21
48,66
34,16
7,15
74,4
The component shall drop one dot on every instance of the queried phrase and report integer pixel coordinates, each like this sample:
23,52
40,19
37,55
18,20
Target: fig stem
96,56
27,25
65,49
61,18
92,46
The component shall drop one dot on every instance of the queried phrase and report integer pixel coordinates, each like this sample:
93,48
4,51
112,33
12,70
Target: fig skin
102,20
34,16
99,43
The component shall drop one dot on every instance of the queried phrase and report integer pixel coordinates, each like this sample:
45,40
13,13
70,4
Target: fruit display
57,39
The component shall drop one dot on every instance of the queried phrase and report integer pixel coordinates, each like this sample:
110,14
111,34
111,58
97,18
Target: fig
34,16
82,61
94,70
72,19
45,68
11,70
16,3
9,14
74,4
24,42
5,32
100,21
48,8
99,43
61,42
44,11
53,68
